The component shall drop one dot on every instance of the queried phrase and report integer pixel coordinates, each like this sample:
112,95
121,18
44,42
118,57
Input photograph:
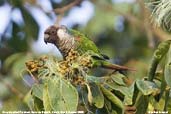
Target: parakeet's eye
53,31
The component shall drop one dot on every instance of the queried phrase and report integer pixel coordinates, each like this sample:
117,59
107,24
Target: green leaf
97,79
19,65
167,93
46,99
97,96
37,91
169,105
162,87
115,100
162,49
38,104
126,91
167,70
167,76
159,53
135,93
28,99
142,104
89,95
108,106
11,60
131,92
157,105
118,78
62,95
147,87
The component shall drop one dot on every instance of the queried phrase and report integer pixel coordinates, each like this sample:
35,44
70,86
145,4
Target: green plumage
84,44
67,39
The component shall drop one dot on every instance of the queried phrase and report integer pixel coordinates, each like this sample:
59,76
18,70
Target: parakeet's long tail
108,65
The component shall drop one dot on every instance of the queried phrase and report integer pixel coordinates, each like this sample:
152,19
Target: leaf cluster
53,91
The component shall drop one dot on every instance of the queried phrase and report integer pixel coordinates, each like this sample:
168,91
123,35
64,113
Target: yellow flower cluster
34,65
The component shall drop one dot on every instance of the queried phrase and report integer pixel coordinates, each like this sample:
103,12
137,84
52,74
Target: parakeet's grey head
59,36
54,34
50,34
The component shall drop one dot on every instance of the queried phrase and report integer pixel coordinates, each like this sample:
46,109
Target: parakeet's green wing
84,44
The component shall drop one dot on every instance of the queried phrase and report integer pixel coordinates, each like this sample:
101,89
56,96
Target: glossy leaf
28,99
159,53
115,100
11,60
89,95
109,108
167,70
97,79
142,104
147,87
37,90
126,91
97,96
46,99
118,78
169,105
19,65
38,104
59,100
162,87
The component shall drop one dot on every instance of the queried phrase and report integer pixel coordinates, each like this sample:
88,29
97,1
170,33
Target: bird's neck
65,45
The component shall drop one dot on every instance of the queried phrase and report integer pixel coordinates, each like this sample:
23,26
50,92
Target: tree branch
13,89
61,11
67,7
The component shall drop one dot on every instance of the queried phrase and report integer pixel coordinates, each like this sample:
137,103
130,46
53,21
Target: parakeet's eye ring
53,32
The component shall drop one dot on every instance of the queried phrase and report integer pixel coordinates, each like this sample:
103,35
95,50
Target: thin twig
61,11
58,19
67,7
14,90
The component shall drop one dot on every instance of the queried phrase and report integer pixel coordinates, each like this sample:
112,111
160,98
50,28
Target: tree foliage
31,81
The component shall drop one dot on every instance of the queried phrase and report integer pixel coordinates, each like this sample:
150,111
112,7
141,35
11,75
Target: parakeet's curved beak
46,38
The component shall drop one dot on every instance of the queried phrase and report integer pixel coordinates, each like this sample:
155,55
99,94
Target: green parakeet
68,39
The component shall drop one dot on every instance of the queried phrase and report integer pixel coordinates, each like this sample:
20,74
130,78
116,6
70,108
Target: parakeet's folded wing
84,44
